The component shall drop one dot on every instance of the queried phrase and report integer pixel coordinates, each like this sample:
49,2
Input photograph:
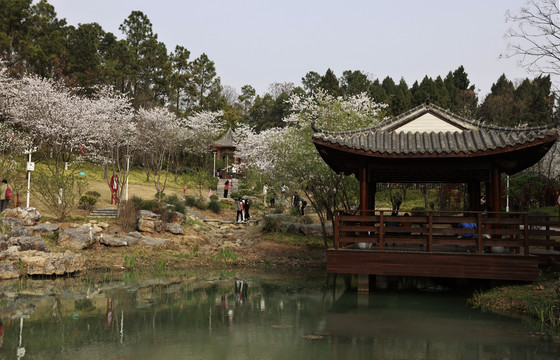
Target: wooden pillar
496,181
372,190
363,191
473,188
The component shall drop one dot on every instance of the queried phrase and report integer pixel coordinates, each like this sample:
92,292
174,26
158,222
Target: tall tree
311,82
354,83
205,81
329,83
535,36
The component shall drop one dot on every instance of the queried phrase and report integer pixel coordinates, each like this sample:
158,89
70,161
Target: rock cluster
23,250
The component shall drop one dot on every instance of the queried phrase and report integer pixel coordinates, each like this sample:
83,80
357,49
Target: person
283,190
246,206
226,188
184,190
265,192
3,198
272,199
239,215
296,200
303,205
483,203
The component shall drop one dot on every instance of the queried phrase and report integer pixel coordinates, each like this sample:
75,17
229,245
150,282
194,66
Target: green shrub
294,211
279,209
150,205
196,202
245,192
94,193
234,195
418,211
214,197
190,201
87,202
306,219
215,206
177,203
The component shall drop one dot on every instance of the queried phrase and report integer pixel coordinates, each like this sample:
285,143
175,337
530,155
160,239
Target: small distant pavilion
225,146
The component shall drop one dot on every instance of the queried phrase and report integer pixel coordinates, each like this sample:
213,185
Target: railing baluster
381,230
479,230
337,218
526,234
430,231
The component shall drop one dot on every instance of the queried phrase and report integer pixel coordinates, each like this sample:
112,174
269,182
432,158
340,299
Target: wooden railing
439,231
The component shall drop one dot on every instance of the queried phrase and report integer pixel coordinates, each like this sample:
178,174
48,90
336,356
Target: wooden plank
477,266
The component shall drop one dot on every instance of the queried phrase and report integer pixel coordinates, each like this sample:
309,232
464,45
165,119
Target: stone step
108,213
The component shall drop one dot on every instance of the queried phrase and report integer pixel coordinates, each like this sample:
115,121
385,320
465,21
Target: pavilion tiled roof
470,137
226,140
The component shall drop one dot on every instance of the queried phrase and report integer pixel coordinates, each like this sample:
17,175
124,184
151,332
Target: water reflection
249,316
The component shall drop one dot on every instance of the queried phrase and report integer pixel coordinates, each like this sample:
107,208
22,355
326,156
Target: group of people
242,206
5,195
299,203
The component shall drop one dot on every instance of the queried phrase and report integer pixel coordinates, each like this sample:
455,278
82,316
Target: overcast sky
258,42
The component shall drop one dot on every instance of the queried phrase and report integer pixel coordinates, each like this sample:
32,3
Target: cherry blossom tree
159,134
289,157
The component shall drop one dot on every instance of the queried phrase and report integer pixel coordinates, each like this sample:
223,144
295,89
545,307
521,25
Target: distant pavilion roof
428,132
226,141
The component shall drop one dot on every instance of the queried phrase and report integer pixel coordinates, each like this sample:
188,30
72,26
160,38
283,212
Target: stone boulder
8,271
34,262
29,243
11,222
149,222
115,240
43,229
175,217
18,231
146,240
174,229
29,216
77,238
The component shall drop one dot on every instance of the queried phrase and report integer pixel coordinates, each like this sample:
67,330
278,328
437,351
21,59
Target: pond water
250,316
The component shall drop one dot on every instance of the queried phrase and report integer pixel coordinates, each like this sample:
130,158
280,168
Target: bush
418,211
215,206
306,219
196,202
128,211
151,205
177,203
87,202
234,195
279,209
94,194
214,197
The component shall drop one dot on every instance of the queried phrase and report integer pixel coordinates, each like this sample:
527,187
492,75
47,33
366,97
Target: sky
259,42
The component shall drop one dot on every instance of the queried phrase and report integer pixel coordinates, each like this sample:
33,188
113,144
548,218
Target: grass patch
312,242
538,300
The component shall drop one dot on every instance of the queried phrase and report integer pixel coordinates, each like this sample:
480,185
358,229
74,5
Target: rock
149,222
175,217
18,231
174,229
146,240
43,229
40,263
77,238
8,271
104,225
29,243
11,222
97,229
114,240
93,221
135,234
29,216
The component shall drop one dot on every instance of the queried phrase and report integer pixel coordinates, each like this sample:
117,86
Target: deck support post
363,282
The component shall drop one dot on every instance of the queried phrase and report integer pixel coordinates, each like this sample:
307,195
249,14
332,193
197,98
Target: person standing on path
3,198
265,192
226,188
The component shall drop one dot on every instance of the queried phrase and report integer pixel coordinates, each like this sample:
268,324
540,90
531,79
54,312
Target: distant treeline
34,40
